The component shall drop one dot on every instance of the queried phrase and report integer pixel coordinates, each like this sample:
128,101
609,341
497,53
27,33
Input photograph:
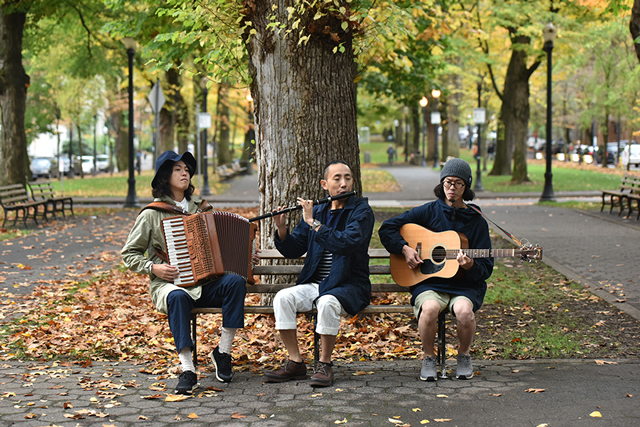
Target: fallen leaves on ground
535,390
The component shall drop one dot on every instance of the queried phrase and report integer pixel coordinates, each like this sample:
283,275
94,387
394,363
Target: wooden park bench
265,271
14,198
236,168
43,191
629,189
225,172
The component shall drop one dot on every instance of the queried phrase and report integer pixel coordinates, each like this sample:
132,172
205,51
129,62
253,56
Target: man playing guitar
462,294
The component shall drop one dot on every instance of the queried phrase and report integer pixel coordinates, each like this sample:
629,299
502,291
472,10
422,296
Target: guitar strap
511,236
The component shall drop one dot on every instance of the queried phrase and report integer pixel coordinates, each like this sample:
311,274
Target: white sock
186,359
226,340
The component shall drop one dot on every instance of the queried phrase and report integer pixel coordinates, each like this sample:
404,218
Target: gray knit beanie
458,168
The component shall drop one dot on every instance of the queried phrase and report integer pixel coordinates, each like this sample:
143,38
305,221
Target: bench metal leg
442,351
194,338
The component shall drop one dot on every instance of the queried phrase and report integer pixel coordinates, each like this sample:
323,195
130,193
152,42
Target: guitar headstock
530,252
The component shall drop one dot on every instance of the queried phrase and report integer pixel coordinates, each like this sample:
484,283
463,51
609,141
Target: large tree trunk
13,95
80,150
514,115
222,115
122,146
305,107
182,117
634,25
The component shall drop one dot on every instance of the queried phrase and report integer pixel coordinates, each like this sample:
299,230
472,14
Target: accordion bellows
207,245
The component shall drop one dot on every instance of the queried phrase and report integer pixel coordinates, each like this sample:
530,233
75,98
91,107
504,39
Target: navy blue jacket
438,216
348,279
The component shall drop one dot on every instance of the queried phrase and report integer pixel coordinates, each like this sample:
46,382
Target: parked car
633,153
44,167
84,163
102,162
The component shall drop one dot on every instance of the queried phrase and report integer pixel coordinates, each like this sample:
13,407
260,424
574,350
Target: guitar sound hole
438,254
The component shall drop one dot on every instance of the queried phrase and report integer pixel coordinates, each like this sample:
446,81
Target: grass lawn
567,176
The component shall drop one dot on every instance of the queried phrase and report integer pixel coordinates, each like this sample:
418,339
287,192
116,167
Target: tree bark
514,115
13,95
634,25
222,115
305,108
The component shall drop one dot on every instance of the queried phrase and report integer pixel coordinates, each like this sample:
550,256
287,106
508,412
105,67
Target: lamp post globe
423,103
549,34
132,199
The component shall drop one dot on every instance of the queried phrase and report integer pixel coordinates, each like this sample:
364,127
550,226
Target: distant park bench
229,171
14,198
265,271
629,190
43,191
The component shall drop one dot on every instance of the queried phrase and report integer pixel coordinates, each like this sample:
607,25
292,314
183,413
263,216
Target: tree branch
85,27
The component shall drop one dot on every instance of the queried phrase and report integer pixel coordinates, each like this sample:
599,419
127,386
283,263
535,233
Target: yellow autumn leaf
176,397
595,414
442,395
192,416
424,422
340,421
417,410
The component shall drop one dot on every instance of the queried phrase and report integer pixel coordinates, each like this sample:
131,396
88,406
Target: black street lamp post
435,120
131,200
423,103
206,191
479,118
549,33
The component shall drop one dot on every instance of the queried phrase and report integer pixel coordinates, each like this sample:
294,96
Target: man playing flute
335,276
172,185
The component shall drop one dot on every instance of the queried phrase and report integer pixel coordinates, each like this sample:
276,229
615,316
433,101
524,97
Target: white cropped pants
299,298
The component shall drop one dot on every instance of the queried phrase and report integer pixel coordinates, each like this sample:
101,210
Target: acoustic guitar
439,252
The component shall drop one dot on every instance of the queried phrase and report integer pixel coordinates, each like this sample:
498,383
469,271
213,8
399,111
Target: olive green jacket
139,253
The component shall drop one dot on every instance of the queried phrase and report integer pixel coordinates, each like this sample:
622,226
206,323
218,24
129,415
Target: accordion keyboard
178,250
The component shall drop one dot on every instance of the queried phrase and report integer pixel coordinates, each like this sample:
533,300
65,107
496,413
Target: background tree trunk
634,25
13,96
514,114
222,114
305,110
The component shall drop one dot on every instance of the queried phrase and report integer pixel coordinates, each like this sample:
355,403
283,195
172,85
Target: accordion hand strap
168,207
164,207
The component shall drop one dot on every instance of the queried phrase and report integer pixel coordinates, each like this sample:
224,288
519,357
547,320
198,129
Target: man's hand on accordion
165,272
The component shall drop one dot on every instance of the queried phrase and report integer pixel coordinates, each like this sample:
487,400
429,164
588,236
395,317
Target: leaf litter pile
530,311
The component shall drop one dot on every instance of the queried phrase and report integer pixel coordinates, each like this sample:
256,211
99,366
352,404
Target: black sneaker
222,362
187,382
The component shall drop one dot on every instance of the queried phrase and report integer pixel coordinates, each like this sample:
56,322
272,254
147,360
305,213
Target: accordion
207,245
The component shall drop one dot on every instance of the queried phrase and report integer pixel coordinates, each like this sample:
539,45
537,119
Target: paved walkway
504,394
596,249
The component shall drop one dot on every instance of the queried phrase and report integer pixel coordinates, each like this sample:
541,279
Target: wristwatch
315,225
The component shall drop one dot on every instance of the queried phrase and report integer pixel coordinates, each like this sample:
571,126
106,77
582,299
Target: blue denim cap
172,156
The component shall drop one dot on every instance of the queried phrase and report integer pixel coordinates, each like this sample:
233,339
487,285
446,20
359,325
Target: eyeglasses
457,184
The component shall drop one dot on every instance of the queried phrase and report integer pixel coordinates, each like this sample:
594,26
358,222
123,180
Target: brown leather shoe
323,376
292,371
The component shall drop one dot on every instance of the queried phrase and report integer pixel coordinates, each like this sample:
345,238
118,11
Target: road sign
479,116
435,117
204,120
156,97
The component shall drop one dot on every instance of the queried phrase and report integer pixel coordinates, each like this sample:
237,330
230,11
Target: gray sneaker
428,371
465,368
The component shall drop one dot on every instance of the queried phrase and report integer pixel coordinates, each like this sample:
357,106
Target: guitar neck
484,253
